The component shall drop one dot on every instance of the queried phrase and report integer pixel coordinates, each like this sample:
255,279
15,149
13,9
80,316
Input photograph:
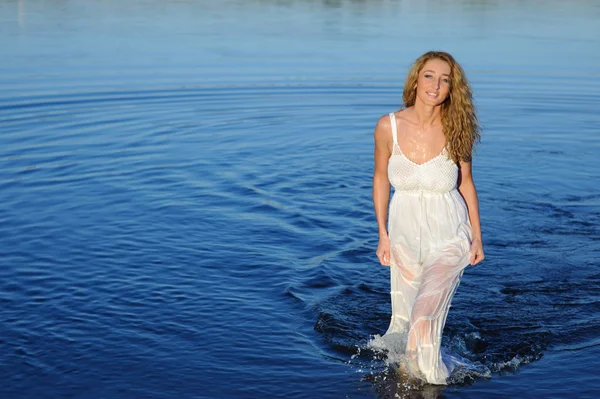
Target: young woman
424,151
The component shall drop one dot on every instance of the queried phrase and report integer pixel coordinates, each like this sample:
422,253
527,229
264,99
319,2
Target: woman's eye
427,75
446,80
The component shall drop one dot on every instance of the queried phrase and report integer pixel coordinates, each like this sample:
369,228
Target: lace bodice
438,175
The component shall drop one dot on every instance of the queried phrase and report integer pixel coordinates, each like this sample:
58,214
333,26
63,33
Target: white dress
430,241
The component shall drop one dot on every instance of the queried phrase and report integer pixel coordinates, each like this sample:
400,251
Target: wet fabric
430,240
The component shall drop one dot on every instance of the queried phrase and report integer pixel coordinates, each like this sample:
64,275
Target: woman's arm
469,193
381,185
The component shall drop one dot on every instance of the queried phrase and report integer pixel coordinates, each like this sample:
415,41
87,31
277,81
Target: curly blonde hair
459,120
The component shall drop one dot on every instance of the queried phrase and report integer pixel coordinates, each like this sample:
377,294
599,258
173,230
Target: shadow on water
490,345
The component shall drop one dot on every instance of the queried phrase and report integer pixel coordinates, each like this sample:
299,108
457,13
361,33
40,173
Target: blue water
185,204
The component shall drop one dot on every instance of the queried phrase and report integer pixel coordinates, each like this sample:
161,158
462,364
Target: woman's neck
427,115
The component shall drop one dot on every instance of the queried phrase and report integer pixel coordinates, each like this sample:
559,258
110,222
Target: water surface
185,204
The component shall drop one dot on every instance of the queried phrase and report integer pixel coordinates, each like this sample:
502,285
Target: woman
424,151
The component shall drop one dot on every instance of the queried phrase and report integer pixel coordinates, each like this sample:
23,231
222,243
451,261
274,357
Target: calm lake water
185,197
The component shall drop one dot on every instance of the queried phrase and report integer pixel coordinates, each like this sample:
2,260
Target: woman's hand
383,250
476,252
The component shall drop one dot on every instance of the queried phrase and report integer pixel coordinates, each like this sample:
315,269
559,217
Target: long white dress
430,241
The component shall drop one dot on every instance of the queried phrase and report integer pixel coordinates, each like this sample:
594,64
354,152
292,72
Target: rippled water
185,201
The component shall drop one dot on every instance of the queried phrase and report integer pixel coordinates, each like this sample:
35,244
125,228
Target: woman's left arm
469,193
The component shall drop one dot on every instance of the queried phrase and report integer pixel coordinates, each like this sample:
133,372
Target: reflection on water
185,196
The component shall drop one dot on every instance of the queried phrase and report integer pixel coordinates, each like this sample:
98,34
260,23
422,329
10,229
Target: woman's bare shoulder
383,128
384,120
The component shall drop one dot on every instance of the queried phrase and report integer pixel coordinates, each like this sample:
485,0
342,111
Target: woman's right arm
381,186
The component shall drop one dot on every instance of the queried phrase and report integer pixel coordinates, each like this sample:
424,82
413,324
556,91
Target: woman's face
433,84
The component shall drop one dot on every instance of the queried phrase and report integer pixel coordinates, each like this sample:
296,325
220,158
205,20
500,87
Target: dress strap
394,130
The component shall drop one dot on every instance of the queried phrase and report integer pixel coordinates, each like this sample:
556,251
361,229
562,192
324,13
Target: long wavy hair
459,119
